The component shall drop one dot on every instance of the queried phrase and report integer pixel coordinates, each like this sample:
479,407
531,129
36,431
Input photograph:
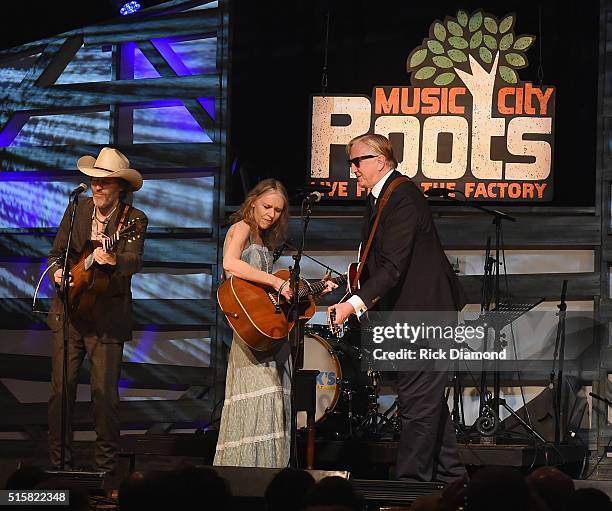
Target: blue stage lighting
129,8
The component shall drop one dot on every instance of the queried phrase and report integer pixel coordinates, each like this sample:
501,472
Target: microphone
439,192
278,252
78,190
314,196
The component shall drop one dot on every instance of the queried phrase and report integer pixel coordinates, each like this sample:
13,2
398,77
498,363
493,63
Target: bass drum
343,390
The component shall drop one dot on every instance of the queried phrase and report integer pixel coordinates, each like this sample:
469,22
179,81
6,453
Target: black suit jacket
406,269
113,310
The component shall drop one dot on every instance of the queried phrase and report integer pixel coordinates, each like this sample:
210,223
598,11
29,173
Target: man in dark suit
406,270
101,332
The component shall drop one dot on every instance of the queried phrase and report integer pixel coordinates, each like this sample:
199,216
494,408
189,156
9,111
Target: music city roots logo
466,123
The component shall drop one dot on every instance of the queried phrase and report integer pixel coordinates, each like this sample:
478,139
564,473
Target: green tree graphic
466,45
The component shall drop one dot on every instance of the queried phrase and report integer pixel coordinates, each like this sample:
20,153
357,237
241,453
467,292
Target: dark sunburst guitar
91,279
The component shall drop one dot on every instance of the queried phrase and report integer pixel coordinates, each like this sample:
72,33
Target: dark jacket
406,269
113,309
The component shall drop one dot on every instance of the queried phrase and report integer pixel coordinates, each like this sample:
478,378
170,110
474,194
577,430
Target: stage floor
363,459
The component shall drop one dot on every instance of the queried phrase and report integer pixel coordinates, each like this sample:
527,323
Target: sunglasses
358,159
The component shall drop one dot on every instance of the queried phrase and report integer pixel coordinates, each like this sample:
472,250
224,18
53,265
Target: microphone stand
314,259
303,382
65,283
485,304
558,385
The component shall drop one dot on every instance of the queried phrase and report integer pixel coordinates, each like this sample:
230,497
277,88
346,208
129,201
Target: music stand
502,315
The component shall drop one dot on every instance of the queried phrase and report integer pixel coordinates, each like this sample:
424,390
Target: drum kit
347,395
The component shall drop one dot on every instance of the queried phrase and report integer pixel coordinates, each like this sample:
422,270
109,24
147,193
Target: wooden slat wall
135,375
468,231
171,248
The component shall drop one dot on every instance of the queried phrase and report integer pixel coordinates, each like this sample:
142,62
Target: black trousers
105,361
428,445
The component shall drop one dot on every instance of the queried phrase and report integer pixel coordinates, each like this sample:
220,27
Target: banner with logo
465,122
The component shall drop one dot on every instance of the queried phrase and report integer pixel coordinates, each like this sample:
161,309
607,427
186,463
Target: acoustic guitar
259,316
91,279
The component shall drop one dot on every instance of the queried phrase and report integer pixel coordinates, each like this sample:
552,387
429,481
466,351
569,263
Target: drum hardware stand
349,396
391,417
369,423
457,415
374,423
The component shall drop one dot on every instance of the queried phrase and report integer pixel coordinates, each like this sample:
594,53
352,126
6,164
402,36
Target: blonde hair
378,143
277,233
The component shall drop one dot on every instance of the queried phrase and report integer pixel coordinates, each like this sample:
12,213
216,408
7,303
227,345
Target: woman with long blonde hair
256,417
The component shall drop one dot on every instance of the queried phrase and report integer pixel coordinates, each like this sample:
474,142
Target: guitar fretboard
314,288
109,243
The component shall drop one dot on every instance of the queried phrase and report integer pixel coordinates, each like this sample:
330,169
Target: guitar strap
383,201
126,210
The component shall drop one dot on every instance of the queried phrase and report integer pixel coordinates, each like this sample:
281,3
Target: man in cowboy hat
101,333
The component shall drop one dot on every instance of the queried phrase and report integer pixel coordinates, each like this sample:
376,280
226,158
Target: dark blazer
113,310
406,269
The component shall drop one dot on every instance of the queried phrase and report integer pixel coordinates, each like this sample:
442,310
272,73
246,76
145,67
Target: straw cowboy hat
110,163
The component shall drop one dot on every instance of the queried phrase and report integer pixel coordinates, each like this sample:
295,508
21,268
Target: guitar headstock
133,229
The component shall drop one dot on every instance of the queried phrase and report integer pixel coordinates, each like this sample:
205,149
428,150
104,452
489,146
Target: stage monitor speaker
92,482
542,415
394,493
252,482
248,485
